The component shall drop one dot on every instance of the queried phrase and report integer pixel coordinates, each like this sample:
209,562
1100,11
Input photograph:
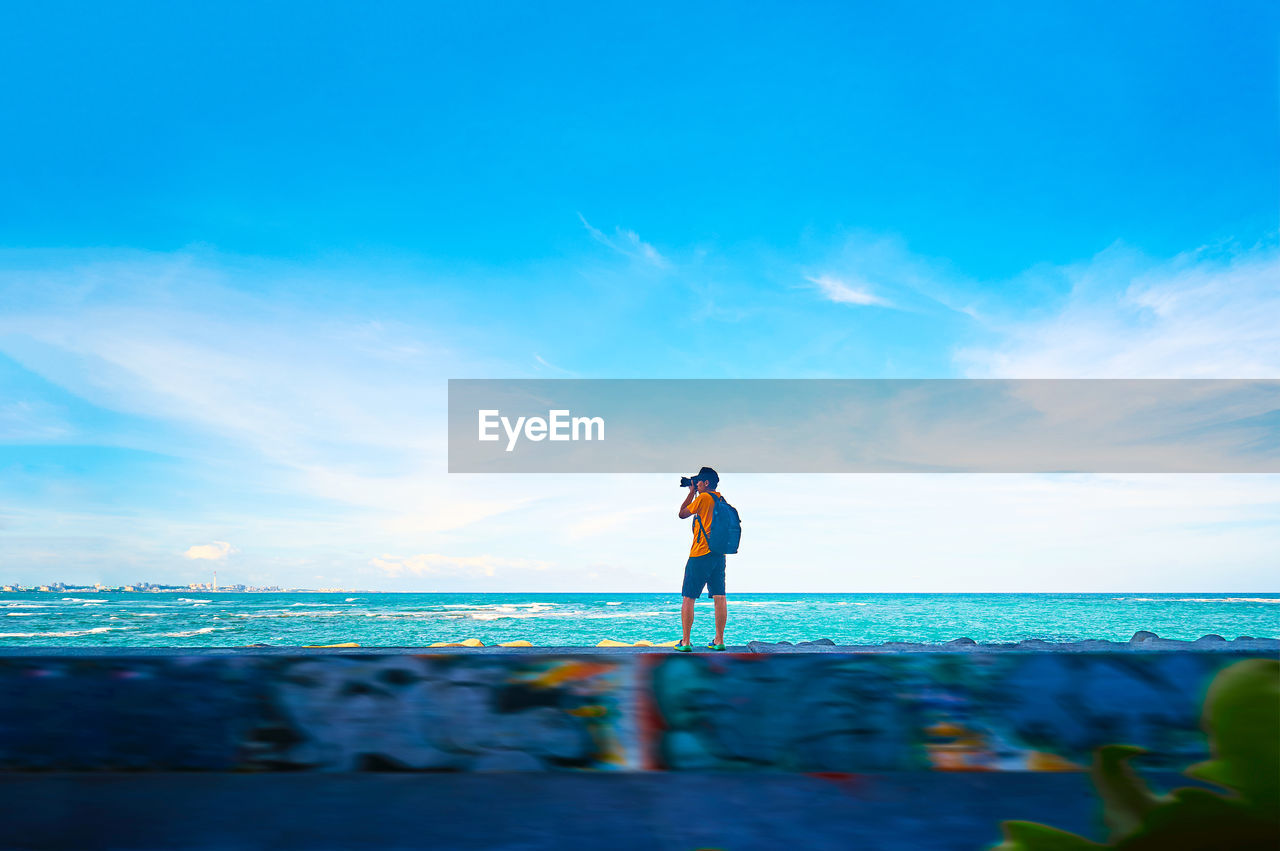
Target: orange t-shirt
703,505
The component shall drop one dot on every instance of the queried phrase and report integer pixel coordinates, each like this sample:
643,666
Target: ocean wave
192,632
497,606
496,614
476,615
80,600
347,613
1199,599
192,600
24,614
71,633
24,605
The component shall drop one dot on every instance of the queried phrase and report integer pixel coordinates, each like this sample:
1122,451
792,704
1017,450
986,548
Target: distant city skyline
211,587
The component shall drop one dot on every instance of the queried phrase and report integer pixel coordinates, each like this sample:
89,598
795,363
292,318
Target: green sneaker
684,648
714,646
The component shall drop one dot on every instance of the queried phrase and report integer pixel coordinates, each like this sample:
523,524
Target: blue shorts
705,570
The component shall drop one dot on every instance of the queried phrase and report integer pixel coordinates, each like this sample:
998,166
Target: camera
706,474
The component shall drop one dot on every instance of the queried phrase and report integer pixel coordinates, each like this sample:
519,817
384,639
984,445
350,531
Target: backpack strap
698,519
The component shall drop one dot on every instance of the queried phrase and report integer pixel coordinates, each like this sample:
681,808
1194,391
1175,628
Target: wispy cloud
34,421
846,291
1199,315
303,402
877,270
627,243
216,551
435,564
545,363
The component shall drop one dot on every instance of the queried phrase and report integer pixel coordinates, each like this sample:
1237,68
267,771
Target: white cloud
846,291
1198,315
866,269
33,421
216,551
627,243
435,564
628,522
336,409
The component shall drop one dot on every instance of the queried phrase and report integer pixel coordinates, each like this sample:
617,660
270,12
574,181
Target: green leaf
1031,836
1242,718
1126,800
1197,819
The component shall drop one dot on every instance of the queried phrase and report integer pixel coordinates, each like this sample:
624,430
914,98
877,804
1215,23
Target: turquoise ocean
193,619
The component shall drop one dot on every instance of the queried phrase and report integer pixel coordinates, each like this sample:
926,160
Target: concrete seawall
872,729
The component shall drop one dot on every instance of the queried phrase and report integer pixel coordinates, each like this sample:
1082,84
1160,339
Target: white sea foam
192,632
539,607
613,604
24,614
192,600
494,614
1199,599
80,600
68,634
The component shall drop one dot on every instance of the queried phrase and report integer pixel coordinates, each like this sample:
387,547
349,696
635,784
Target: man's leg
695,579
715,587
686,618
722,615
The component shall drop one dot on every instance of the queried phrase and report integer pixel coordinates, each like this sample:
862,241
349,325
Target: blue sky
243,247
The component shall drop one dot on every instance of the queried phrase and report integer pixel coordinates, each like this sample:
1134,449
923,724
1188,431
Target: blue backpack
726,528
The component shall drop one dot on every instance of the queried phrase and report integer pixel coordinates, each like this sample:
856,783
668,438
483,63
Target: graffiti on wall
325,713
822,712
442,713
881,712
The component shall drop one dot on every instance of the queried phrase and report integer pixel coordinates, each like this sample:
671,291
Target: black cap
706,474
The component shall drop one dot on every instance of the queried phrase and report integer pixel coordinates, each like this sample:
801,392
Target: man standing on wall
704,568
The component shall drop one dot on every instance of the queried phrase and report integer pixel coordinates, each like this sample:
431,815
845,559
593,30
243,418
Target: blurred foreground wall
474,711
898,742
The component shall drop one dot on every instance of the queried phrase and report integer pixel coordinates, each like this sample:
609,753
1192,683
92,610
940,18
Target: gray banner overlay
864,425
